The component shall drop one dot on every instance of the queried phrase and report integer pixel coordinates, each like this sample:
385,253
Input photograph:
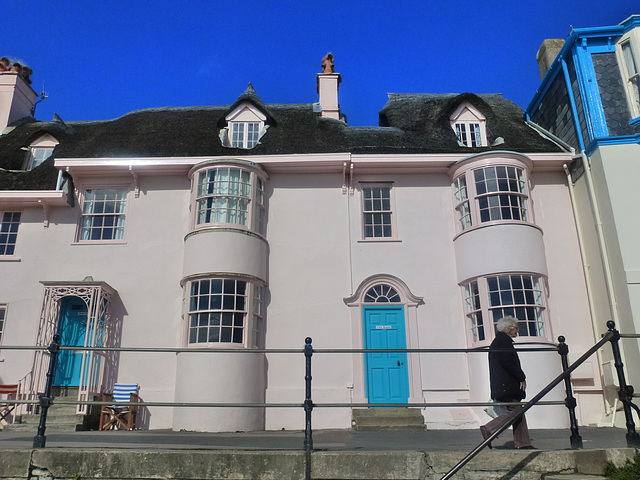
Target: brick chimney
547,53
17,98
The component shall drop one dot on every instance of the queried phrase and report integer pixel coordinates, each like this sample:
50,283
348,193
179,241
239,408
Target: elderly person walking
507,381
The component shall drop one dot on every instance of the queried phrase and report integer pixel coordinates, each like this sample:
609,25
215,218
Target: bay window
490,193
496,296
219,310
229,195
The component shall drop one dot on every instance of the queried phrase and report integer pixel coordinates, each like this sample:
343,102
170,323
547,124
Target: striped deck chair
119,417
8,392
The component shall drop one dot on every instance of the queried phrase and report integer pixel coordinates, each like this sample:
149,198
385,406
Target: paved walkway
432,440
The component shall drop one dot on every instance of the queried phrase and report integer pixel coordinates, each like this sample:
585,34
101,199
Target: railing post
569,401
39,441
626,391
308,407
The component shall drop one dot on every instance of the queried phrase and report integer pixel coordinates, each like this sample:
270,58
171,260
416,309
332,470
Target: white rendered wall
316,257
219,378
500,248
145,269
225,251
308,278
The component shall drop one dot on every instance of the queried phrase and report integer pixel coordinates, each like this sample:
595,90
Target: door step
60,418
387,419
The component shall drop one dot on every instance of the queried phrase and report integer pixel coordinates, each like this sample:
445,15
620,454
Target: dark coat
505,371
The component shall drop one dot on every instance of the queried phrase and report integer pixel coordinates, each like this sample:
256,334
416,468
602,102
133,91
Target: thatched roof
409,123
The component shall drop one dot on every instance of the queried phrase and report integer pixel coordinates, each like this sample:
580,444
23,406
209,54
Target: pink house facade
253,225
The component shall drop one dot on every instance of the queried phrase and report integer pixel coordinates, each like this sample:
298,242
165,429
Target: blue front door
72,328
387,377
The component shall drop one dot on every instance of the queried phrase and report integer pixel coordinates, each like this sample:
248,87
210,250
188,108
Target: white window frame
40,150
507,195
628,49
377,216
86,214
469,126
484,306
210,324
6,227
209,197
245,127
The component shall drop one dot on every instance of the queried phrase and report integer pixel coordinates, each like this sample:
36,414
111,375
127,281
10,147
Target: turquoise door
387,377
72,327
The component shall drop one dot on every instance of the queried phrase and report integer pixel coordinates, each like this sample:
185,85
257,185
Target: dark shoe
528,447
485,434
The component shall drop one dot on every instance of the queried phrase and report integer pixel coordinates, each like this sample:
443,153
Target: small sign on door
383,327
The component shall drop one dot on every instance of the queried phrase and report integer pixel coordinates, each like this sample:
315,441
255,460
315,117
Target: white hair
505,323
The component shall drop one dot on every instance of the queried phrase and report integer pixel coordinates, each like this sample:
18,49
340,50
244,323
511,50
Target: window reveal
461,197
474,311
633,76
3,316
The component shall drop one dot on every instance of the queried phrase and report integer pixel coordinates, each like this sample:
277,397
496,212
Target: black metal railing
626,392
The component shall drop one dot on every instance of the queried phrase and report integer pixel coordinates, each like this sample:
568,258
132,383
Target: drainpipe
585,267
59,182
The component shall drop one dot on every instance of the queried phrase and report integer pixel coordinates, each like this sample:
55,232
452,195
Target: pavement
323,440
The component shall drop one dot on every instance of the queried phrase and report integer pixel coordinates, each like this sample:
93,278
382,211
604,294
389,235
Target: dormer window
245,135
39,151
469,125
246,124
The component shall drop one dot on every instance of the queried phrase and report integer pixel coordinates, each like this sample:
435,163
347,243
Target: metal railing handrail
611,336
281,404
276,350
626,392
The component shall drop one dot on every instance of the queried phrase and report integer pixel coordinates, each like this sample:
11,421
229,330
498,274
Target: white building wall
316,259
145,270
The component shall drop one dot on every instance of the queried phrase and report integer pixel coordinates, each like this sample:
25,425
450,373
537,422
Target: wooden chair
119,417
9,392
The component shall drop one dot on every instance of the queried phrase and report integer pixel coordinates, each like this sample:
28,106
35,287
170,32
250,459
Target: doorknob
400,363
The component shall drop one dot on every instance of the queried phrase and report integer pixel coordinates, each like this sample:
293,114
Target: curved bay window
501,193
490,193
219,309
229,195
497,296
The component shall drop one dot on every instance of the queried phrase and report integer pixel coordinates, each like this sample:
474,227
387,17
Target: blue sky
100,60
